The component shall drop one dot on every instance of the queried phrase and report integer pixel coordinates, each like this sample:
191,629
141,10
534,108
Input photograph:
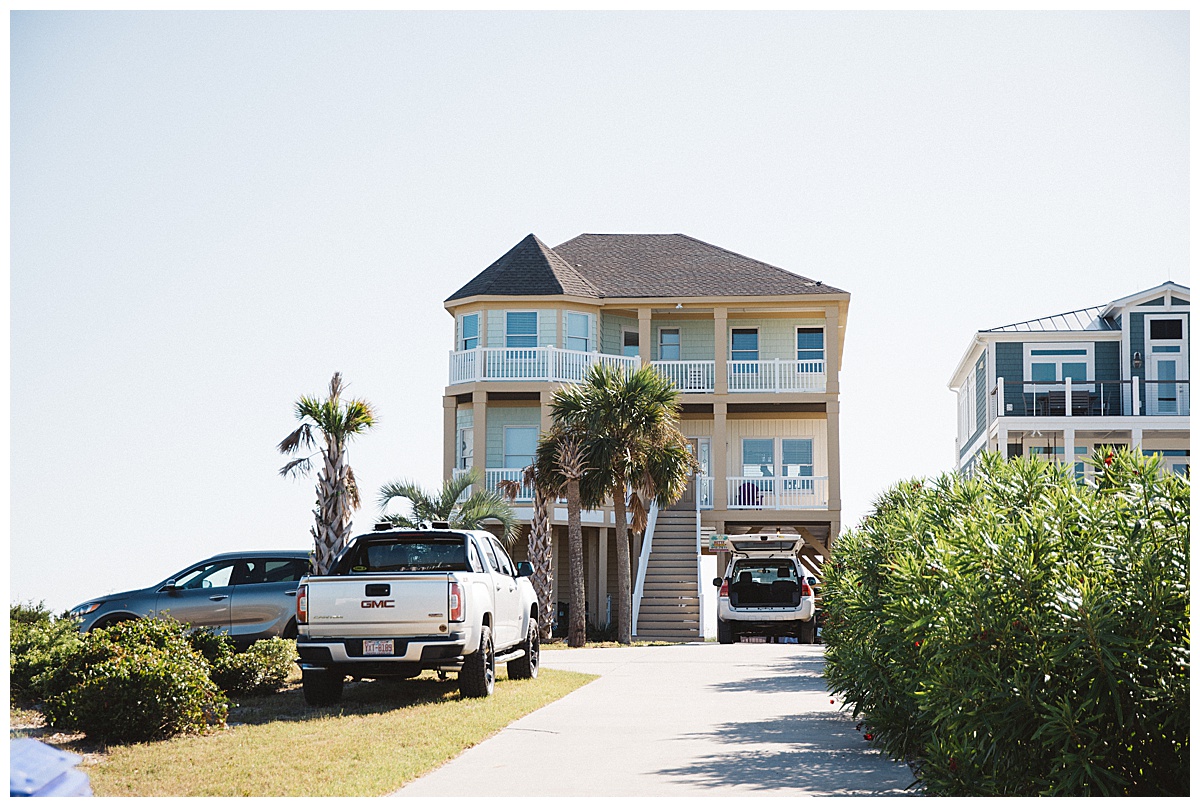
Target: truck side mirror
717,582
524,569
168,587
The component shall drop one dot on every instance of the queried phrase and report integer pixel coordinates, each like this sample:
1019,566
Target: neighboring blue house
1064,385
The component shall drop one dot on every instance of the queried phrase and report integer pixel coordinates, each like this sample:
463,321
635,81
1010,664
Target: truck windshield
415,554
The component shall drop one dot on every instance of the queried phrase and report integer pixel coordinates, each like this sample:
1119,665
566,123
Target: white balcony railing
494,476
778,493
689,376
528,364
776,375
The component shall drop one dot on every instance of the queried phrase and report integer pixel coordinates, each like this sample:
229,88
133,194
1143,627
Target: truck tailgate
411,604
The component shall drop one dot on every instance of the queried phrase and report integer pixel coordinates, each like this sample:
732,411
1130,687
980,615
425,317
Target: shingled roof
635,265
529,268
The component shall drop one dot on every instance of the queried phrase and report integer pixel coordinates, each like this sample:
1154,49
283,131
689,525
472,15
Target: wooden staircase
670,609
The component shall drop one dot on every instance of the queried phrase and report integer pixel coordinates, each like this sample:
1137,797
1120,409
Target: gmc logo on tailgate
378,603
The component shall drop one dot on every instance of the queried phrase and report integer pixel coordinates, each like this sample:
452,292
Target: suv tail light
456,602
724,592
805,590
302,605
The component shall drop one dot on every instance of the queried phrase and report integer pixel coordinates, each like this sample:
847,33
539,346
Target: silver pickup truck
399,601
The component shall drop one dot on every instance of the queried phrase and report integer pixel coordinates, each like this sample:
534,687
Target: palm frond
302,437
452,489
405,489
300,467
487,505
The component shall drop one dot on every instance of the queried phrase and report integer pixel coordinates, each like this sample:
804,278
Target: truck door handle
219,597
291,593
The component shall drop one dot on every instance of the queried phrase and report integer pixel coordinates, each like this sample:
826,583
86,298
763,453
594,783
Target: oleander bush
37,642
135,681
1020,633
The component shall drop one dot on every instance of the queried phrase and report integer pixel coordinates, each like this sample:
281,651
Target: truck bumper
431,650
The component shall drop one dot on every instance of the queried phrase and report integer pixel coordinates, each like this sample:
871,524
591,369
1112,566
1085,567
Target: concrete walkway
696,719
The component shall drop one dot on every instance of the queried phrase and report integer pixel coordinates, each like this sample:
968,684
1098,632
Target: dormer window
468,332
520,329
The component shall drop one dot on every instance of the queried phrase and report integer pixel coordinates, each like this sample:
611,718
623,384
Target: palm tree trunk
577,632
541,555
624,590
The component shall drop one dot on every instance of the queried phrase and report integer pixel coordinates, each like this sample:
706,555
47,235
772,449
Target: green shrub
260,670
37,642
134,681
1019,633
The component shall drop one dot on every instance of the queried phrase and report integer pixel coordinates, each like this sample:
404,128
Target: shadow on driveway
814,751
800,674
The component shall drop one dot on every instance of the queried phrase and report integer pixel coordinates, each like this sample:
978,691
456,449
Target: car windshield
410,554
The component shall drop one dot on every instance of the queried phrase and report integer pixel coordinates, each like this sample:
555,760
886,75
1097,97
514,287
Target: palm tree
337,490
561,462
444,504
541,542
629,422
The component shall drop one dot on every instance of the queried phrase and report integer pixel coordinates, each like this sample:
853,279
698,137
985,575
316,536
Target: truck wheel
477,678
321,687
806,632
724,632
527,665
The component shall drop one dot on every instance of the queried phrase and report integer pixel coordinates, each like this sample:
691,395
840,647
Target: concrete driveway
695,719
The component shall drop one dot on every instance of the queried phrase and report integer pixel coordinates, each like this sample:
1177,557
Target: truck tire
321,687
806,632
477,678
527,665
724,632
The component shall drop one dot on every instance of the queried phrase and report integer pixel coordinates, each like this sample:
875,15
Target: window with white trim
520,444
668,344
629,342
468,330
579,331
465,453
520,329
810,347
1055,362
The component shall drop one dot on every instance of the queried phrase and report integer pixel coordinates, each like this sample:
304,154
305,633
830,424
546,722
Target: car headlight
86,608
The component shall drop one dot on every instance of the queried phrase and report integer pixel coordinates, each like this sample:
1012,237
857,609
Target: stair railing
643,562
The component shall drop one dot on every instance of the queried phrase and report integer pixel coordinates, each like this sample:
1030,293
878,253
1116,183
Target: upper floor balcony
558,364
1082,398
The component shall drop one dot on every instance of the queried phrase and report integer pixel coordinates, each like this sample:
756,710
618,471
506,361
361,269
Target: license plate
379,647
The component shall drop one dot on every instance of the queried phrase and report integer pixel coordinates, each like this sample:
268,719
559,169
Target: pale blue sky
213,212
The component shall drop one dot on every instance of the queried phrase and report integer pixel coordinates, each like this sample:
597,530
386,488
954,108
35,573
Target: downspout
643,562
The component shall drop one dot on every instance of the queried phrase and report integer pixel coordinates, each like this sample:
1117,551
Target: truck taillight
302,606
805,590
456,602
724,592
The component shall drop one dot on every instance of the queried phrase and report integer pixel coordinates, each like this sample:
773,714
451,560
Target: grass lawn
382,734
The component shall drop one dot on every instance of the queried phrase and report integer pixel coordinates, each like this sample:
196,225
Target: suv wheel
321,687
477,678
806,632
724,632
527,665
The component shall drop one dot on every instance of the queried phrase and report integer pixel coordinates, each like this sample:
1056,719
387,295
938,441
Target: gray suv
247,595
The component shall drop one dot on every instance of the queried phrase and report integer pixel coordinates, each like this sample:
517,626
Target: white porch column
1069,439
1135,440
720,460
720,350
479,445
1002,439
644,335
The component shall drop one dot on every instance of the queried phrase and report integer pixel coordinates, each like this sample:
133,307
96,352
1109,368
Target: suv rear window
417,553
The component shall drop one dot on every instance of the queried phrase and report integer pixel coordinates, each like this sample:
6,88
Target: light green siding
776,337
695,338
500,416
547,326
465,417
611,327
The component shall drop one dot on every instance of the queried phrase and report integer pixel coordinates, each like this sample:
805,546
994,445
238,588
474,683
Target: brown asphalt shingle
635,265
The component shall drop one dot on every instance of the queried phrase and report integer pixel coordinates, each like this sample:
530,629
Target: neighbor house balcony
528,364
1134,398
778,493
